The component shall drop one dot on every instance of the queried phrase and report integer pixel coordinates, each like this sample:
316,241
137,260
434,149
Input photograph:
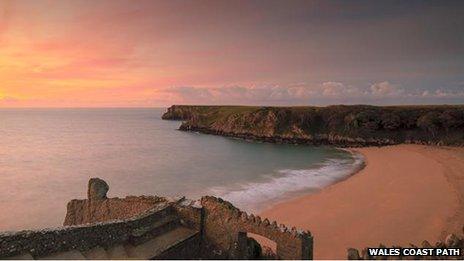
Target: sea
48,155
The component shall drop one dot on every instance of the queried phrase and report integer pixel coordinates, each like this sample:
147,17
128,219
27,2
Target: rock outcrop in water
356,125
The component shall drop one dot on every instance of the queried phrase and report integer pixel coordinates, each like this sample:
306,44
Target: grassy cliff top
440,124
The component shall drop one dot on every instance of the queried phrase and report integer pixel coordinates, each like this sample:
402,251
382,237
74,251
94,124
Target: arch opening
257,246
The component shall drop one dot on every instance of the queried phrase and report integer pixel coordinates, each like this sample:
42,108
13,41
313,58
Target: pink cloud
324,93
382,89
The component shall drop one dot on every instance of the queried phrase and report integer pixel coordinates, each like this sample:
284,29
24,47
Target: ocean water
48,155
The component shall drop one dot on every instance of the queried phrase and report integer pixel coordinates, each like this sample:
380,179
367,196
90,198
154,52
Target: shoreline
357,165
298,194
404,194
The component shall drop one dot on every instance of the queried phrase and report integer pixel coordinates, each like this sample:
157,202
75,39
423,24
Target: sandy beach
405,194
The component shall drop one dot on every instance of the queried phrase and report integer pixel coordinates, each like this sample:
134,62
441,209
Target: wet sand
405,194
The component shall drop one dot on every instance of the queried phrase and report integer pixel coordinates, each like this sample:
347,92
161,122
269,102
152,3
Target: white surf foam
255,196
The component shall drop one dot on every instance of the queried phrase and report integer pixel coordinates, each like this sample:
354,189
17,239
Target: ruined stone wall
104,222
190,249
190,213
220,225
41,243
88,211
223,223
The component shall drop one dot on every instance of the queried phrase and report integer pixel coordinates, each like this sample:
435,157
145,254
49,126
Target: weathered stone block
97,189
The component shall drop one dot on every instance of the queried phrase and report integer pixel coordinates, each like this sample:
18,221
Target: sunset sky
157,53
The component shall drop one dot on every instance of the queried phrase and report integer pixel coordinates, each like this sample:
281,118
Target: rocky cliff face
180,112
358,125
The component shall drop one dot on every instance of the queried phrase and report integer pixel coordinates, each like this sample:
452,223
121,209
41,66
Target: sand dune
405,194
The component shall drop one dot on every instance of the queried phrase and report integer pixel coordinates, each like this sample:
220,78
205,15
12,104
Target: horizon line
167,106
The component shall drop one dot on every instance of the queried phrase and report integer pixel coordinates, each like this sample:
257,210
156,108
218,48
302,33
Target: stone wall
190,213
105,222
219,222
98,208
86,211
223,223
190,249
41,243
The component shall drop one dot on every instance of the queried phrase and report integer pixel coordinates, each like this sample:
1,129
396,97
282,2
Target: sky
96,53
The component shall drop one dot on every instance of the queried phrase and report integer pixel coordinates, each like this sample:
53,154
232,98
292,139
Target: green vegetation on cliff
354,125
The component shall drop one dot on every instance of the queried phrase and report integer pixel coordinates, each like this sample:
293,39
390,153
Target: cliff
341,125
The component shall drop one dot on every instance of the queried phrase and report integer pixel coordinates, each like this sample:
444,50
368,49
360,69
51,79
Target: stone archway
268,246
255,246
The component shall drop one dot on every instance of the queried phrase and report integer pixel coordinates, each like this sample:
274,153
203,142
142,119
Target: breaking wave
290,182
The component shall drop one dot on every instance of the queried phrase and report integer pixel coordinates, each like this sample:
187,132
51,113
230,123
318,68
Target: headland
339,125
